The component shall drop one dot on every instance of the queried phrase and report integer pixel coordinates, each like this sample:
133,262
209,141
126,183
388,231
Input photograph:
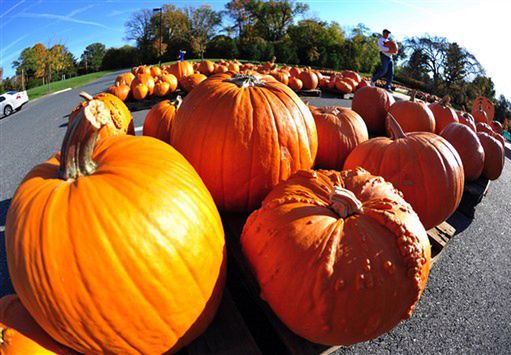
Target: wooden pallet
245,324
473,193
146,104
315,92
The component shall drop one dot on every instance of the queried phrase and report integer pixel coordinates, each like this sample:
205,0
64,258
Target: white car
12,101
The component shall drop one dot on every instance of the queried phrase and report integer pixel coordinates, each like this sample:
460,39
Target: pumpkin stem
412,96
395,129
86,96
245,81
80,140
178,101
334,110
344,202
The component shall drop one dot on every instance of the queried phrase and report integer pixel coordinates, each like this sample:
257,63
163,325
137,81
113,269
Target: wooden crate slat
228,334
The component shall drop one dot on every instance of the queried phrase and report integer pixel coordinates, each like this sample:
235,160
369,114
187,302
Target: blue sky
481,27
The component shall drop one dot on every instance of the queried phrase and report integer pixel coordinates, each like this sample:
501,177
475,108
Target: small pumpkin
470,150
309,79
340,130
122,91
158,122
484,127
372,104
295,83
340,257
494,156
243,135
467,119
392,46
207,67
145,79
20,334
480,116
181,69
362,84
424,166
102,249
188,83
497,127
233,67
295,72
221,69
155,71
161,88
283,77
413,115
172,80
143,70
444,115
125,78
140,91
353,75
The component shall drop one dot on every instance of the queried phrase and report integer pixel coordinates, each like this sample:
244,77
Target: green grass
42,90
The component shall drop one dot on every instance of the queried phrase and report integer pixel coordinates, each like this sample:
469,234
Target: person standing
387,64
181,56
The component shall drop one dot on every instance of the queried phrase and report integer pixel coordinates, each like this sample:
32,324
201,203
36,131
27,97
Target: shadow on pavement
5,282
459,221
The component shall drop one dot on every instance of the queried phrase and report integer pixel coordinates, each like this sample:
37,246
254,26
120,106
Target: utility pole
22,79
160,10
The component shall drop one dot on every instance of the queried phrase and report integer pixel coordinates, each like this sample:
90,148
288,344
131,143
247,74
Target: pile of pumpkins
115,244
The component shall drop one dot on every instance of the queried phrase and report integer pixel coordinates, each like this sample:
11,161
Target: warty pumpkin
372,104
494,156
116,247
423,166
444,115
340,130
340,257
243,135
158,122
21,335
470,150
413,115
121,121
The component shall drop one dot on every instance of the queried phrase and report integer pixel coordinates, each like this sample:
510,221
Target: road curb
59,92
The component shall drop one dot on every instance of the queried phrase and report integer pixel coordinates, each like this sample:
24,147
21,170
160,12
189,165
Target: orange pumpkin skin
145,79
140,92
295,72
155,71
181,69
122,91
362,84
422,165
494,156
161,88
340,130
125,78
413,116
392,46
444,115
372,104
497,127
467,119
20,334
235,68
295,83
323,83
253,137
221,69
188,83
158,122
334,275
122,121
484,127
143,70
171,80
470,150
207,67
282,77
309,79
353,75
480,117
343,85
163,247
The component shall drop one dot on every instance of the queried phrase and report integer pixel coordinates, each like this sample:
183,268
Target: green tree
123,57
459,64
242,14
204,22
142,28
222,47
92,57
275,16
434,52
502,109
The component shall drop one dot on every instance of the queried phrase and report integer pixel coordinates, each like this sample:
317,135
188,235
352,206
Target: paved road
467,304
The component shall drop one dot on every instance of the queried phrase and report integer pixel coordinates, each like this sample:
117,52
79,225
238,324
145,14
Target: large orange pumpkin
340,130
494,156
20,334
340,257
470,150
413,116
122,91
116,247
372,104
423,165
484,127
444,115
121,121
158,122
309,79
188,83
181,69
207,67
243,135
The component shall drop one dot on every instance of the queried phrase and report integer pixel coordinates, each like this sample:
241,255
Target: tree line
257,30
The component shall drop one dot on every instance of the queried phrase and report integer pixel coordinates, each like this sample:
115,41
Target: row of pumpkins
143,81
115,244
